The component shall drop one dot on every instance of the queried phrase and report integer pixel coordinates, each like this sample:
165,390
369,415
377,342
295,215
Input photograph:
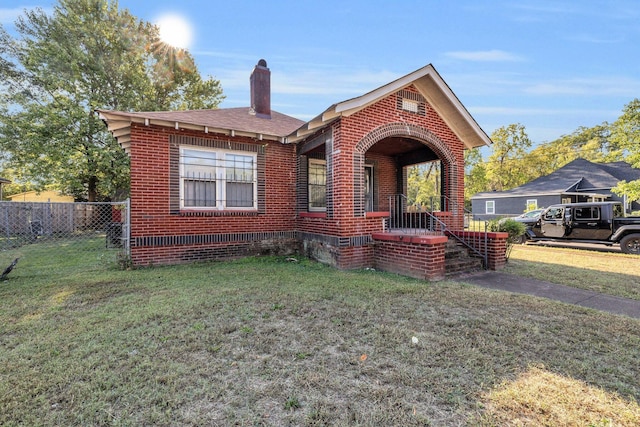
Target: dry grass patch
267,342
542,398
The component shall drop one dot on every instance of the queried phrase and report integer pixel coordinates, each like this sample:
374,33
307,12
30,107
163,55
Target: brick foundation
421,257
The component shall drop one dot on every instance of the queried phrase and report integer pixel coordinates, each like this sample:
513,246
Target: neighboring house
216,184
41,196
577,181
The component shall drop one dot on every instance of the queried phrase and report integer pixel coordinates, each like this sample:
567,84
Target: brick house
216,184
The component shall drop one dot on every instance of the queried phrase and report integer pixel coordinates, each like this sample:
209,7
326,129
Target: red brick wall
354,128
385,179
495,246
272,229
151,214
421,257
347,134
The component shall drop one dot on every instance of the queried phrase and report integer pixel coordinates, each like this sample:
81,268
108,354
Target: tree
88,54
510,145
475,177
626,134
423,184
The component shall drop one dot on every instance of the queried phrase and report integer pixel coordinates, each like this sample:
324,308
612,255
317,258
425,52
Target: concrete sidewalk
581,297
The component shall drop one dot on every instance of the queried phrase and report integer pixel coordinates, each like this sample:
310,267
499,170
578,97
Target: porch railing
442,216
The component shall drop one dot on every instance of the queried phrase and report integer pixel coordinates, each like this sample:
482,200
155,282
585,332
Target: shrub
514,228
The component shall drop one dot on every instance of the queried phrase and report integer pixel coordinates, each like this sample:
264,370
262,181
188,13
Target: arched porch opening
382,166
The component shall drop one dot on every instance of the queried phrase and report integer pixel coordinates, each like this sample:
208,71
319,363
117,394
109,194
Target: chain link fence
78,228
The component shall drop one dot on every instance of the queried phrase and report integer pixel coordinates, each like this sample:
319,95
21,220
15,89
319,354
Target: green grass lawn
605,272
264,341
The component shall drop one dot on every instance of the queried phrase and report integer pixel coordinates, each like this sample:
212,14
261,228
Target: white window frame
219,175
316,208
490,207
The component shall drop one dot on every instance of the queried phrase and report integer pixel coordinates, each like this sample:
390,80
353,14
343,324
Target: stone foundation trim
336,241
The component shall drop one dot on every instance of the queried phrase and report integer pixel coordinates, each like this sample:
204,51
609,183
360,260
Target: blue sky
552,66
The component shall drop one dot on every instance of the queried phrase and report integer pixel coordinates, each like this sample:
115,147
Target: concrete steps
458,260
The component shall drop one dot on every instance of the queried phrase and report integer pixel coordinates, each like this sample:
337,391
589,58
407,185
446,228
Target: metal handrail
423,219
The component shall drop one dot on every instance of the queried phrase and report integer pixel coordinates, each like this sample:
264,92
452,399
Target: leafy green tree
592,144
88,54
504,167
626,134
510,164
423,184
475,175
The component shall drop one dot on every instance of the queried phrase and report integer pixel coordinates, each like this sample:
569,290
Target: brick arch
418,133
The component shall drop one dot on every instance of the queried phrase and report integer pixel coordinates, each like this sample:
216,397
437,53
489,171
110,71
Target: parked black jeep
597,222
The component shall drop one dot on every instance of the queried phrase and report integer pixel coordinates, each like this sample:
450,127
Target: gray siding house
578,181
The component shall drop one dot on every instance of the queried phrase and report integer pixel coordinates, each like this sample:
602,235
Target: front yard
270,341
605,272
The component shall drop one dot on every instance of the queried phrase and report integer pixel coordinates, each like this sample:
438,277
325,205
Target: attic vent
412,102
410,105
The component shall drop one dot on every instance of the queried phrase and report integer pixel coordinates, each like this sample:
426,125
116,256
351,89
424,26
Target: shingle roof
622,170
579,175
230,121
283,128
239,119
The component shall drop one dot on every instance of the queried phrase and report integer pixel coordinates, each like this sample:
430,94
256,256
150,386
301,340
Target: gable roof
430,85
229,121
287,129
578,176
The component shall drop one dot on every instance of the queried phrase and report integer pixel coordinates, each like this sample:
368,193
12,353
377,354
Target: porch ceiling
406,151
395,146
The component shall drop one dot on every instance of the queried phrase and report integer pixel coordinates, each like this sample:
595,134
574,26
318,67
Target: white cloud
494,55
590,38
311,81
225,55
334,82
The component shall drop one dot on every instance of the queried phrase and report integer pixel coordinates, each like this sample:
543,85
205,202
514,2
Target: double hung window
490,207
217,179
317,181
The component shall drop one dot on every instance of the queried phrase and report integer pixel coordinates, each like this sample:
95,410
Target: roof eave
119,124
431,85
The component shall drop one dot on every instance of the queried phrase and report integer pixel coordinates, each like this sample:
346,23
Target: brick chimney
261,90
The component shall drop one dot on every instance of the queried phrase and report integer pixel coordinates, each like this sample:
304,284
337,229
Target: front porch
365,169
412,242
436,256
